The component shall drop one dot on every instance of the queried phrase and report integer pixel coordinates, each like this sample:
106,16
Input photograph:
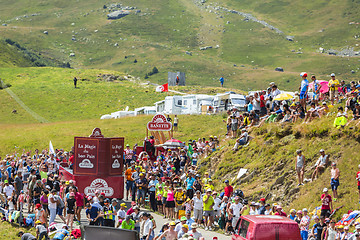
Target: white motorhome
226,101
160,106
145,111
173,104
120,114
197,103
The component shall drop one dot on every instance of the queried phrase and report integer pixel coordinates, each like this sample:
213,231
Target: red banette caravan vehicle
266,227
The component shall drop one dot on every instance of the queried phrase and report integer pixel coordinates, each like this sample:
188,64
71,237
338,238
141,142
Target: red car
266,227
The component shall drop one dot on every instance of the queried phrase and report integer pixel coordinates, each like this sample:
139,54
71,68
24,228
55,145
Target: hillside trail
26,108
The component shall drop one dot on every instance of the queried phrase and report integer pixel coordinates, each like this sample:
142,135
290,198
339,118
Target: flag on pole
163,88
51,148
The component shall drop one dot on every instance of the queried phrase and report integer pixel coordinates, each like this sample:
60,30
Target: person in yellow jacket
209,185
333,88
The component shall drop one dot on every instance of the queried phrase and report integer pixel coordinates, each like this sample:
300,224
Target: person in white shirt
320,164
8,189
148,232
52,206
121,214
194,232
235,210
216,207
197,203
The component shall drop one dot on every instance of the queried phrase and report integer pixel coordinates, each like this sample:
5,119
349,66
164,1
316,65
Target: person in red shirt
326,206
280,212
228,189
71,159
263,110
358,179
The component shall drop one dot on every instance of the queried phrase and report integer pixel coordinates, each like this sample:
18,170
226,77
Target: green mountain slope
164,30
270,161
10,57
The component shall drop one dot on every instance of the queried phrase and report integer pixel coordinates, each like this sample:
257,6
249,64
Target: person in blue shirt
222,81
152,189
92,214
303,89
61,233
317,87
189,186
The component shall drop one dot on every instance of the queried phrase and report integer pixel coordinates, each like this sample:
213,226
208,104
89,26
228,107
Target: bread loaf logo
86,164
116,164
101,185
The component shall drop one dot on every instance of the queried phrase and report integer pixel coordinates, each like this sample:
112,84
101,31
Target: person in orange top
129,181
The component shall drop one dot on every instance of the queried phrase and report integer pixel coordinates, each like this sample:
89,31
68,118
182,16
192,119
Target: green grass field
164,30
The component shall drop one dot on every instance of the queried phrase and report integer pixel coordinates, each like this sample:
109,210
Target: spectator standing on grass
303,89
75,82
358,181
222,81
176,123
335,175
300,166
326,206
333,88
317,87
228,189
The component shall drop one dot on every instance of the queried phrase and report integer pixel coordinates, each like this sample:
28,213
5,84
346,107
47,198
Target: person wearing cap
135,176
304,225
128,223
70,206
152,191
280,212
300,166
228,189
262,209
26,236
320,164
141,186
335,175
208,203
169,234
41,231
316,89
197,204
93,213
40,214
209,185
333,88
303,89
299,215
330,231
190,180
234,123
121,214
178,226
176,123
235,211
180,198
8,189
52,206
292,214
341,233
318,228
326,206
184,229
129,181
128,153
109,213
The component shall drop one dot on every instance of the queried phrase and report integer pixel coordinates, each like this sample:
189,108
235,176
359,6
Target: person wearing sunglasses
330,233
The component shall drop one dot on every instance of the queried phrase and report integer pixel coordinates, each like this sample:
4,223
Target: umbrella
173,143
283,96
324,86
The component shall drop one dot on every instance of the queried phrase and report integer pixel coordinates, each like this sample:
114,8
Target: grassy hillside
50,93
164,30
270,160
10,57
31,136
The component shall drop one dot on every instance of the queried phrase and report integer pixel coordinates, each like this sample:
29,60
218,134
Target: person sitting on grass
324,110
312,113
242,140
320,164
341,118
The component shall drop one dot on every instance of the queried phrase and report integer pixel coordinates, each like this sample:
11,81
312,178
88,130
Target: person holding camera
333,88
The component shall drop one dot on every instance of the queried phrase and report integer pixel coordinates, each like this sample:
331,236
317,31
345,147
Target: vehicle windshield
238,101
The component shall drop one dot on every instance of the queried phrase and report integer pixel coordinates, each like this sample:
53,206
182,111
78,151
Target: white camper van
197,103
226,101
145,110
120,114
173,105
160,106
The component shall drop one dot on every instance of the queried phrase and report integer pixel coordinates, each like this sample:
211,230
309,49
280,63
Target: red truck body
266,227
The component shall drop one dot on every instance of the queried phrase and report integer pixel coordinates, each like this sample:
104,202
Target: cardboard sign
116,156
86,156
159,123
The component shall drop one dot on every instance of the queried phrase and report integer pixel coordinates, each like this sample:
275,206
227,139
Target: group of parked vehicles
188,104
